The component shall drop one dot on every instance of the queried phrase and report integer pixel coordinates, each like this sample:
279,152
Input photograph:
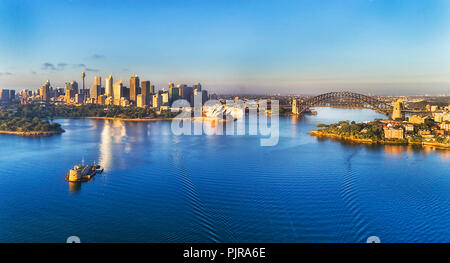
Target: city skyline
231,47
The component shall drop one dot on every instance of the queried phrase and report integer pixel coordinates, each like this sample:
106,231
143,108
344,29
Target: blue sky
298,46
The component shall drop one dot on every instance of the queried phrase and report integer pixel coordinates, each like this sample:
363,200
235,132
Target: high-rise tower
397,113
109,86
83,75
145,91
134,86
98,80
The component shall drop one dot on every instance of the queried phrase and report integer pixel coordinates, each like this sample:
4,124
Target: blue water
158,187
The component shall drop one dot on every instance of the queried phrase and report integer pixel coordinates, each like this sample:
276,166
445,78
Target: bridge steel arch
360,99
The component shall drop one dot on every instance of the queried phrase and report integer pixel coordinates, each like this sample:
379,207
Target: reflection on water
394,149
114,131
158,187
74,187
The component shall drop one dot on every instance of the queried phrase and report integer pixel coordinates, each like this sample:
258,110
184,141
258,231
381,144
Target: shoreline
370,141
31,133
127,119
154,119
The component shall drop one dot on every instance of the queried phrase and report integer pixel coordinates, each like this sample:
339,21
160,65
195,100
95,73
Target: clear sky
251,46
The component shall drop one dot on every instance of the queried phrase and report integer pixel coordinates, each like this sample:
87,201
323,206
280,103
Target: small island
425,132
12,122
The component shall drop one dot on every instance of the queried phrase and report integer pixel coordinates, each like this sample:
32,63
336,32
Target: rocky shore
325,134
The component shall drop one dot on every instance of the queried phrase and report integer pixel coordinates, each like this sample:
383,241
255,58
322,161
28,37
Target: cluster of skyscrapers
138,93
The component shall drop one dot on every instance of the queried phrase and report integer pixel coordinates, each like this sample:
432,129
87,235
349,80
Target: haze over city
377,47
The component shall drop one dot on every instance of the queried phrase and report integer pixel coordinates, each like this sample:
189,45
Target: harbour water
158,187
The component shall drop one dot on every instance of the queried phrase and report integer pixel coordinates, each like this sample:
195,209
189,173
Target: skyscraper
98,81
156,100
140,101
134,86
197,87
397,113
174,93
95,91
109,86
83,75
187,92
117,92
71,90
45,91
4,95
145,91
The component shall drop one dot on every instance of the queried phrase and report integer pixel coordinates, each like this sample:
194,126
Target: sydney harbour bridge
340,99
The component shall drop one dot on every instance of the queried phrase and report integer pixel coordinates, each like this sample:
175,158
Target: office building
118,92
98,81
45,91
95,91
4,95
109,86
71,88
134,87
174,94
397,113
140,101
157,100
145,92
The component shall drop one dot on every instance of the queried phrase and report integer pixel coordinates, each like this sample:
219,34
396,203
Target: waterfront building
397,113
134,87
393,133
145,92
109,86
